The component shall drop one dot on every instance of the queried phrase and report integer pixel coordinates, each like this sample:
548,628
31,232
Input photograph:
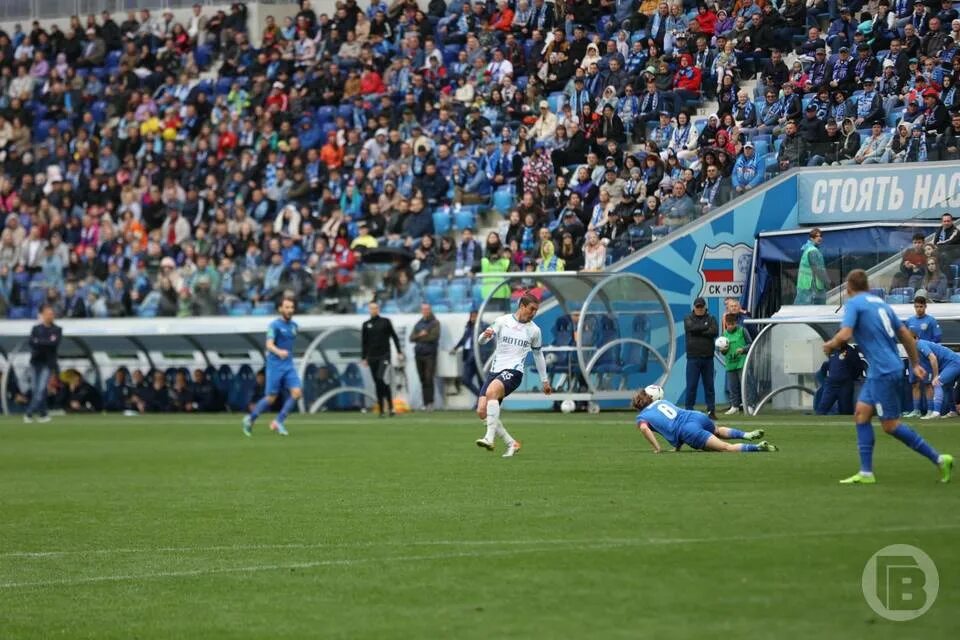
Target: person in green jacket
734,358
496,263
812,276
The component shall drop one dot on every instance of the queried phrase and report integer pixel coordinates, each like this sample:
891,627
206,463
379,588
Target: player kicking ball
516,336
682,427
281,372
872,324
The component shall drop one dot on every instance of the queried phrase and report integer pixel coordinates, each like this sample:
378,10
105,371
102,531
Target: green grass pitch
353,527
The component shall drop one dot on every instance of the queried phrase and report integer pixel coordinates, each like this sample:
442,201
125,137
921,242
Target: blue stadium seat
503,199
441,307
202,56
464,219
555,100
435,294
441,222
458,292
345,111
879,292
326,114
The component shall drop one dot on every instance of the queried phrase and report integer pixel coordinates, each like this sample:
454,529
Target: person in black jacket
44,341
700,330
426,333
205,397
375,337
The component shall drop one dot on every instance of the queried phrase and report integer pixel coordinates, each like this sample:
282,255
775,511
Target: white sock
493,419
502,432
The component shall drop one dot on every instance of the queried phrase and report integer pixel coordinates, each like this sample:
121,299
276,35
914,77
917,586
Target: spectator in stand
912,262
947,239
933,281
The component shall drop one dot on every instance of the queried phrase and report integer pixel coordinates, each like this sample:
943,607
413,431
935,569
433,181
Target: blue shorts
884,394
281,378
696,430
510,378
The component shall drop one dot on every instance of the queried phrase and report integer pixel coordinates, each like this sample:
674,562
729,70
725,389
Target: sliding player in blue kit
873,325
281,371
684,427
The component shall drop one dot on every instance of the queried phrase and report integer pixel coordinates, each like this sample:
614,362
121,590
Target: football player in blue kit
872,324
684,427
281,370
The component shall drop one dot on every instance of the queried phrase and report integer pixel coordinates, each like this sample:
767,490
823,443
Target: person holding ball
735,355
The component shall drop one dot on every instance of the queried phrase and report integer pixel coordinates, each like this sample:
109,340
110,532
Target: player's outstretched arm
649,435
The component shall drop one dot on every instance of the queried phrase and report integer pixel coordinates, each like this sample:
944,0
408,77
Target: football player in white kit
516,336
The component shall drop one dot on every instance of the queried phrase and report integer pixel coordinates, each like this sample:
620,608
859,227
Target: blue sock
749,448
912,439
736,434
865,440
937,399
286,409
261,406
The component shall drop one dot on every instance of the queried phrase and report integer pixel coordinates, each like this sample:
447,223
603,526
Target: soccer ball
655,391
568,406
722,344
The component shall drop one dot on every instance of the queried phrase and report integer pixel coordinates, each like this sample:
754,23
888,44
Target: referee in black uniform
375,351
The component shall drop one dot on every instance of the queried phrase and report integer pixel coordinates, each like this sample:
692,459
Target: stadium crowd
151,167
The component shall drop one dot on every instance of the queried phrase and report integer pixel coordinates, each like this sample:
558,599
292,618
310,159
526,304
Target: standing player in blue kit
281,371
872,324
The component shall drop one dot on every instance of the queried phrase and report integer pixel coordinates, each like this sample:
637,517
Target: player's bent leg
729,433
714,443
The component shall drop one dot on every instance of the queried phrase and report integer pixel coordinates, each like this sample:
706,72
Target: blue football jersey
943,354
926,327
666,419
283,334
875,327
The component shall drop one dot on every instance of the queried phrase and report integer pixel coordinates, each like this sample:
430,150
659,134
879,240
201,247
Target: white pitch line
301,565
439,543
575,545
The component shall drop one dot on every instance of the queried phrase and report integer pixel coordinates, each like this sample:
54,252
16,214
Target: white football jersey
514,341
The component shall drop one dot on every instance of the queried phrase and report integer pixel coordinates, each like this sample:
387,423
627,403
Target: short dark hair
730,318
857,280
919,236
45,306
815,232
527,299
